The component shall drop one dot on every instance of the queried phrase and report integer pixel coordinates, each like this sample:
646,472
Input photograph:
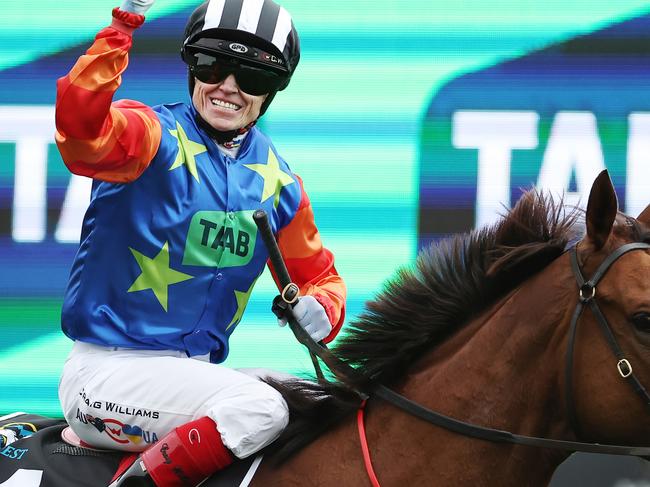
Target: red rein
364,446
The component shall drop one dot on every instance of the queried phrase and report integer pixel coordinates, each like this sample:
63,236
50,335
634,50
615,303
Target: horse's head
607,406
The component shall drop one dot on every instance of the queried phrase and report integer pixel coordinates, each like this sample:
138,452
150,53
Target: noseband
587,297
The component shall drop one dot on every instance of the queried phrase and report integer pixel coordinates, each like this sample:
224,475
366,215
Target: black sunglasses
252,80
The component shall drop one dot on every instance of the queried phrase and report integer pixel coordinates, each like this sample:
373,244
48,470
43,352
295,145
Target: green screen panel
350,124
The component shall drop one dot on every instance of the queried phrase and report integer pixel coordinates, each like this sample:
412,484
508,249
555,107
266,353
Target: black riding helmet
253,33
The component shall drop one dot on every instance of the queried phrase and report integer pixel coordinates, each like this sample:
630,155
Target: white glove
136,6
311,315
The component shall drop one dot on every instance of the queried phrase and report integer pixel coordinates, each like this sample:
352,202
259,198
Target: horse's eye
642,321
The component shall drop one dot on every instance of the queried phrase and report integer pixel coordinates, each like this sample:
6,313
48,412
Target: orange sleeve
311,266
98,138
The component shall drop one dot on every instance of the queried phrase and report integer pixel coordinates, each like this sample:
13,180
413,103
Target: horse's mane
452,281
420,306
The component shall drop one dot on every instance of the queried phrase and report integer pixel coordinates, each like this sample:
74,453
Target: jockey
169,252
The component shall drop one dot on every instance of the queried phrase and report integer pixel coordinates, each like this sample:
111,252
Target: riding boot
185,457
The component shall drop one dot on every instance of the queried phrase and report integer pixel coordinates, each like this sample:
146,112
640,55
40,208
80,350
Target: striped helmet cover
258,24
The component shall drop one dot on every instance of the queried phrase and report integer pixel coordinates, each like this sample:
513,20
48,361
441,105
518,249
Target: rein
367,387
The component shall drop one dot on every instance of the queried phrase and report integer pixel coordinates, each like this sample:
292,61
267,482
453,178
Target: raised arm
98,138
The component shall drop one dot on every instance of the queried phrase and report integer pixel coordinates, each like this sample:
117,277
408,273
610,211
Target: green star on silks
156,274
242,300
187,151
274,178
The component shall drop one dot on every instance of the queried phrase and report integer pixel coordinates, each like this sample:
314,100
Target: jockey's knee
251,418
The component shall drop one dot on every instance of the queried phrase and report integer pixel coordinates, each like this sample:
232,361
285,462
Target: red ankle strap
187,455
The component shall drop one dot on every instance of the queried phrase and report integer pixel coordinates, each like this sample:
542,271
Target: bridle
368,388
587,297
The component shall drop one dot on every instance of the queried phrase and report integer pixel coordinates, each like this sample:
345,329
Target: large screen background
386,121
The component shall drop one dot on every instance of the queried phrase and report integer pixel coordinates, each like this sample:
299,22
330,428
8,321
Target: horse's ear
644,216
601,210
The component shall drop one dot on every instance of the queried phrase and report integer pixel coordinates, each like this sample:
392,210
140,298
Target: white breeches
129,399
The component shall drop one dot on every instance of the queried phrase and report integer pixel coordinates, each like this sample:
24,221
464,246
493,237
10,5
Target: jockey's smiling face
224,105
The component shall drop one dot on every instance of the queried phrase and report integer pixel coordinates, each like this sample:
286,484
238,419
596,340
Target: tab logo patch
220,239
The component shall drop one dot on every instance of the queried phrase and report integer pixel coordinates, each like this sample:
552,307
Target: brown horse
479,330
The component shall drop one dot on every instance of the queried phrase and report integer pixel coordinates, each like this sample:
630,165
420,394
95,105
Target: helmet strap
267,102
220,136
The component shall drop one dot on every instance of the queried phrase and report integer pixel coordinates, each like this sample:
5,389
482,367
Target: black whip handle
262,222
